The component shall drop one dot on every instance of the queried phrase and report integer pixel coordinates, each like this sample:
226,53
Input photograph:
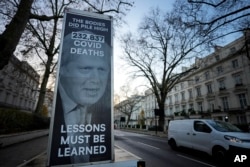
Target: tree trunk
161,115
42,93
10,37
129,116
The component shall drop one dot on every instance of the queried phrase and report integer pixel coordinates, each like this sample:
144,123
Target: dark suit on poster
97,117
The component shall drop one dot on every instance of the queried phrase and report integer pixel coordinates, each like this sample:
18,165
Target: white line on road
195,160
149,145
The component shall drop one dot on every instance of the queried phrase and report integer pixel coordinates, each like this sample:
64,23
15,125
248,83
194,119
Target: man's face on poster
84,78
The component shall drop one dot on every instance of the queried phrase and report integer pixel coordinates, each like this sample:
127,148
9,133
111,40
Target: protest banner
81,122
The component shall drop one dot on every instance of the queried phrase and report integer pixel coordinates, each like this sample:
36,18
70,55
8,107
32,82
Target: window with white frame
171,110
170,99
219,70
182,85
209,88
198,91
238,79
190,92
221,84
207,75
235,63
177,109
182,96
191,106
217,57
176,97
232,50
200,107
242,100
184,108
225,103
176,88
211,106
197,79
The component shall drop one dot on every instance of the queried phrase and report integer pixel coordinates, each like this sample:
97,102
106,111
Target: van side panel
180,130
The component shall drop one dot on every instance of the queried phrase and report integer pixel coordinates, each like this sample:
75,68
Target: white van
216,138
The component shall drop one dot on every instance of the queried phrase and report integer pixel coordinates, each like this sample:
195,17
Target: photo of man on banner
83,103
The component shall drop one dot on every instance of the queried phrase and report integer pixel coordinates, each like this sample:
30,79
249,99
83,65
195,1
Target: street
17,154
156,152
151,149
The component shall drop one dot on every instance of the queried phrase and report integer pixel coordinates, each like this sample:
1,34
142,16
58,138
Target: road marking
28,161
149,145
195,160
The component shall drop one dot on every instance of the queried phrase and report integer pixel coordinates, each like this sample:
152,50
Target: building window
211,106
190,83
225,103
207,75
171,110
198,89
221,84
238,80
190,92
197,79
191,106
219,70
176,98
235,63
176,88
209,88
243,100
170,99
182,85
217,57
177,109
200,107
232,50
182,96
184,108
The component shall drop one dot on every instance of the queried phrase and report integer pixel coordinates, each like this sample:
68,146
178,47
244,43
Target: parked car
217,138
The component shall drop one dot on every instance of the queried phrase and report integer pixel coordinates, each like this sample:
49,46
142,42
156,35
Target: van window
200,126
223,126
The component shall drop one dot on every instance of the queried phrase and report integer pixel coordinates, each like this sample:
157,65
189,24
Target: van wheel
219,155
172,144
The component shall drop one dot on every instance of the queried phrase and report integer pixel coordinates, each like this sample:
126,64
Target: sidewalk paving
120,154
146,132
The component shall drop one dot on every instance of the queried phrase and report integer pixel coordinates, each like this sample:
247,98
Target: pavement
146,132
121,155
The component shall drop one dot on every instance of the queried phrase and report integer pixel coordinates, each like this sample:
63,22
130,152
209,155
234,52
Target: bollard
141,164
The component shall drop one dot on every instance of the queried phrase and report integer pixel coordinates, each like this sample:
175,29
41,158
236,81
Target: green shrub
12,121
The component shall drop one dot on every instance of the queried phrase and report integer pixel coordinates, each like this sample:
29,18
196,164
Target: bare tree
221,17
11,35
217,13
163,46
47,27
130,104
43,29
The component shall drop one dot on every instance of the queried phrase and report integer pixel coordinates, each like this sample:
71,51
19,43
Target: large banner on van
80,130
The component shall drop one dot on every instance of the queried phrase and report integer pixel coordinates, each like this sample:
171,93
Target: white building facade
19,85
219,89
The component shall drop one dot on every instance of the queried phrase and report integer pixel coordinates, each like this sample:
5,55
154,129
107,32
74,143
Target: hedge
12,121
